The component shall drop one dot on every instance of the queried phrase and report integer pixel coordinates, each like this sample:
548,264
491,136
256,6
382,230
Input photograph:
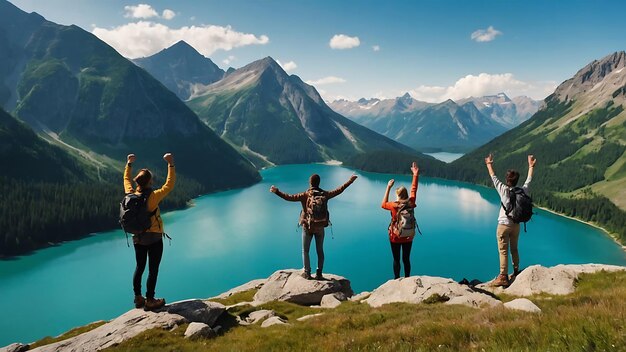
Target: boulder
251,285
198,331
273,321
307,317
475,300
332,300
290,286
361,296
15,347
523,304
135,321
557,280
415,289
259,315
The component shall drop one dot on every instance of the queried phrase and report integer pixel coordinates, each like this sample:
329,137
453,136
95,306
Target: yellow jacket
155,197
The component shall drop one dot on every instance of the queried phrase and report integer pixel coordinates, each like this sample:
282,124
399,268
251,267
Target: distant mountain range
181,69
447,126
579,138
275,118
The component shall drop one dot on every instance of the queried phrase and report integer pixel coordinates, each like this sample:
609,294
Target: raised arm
334,193
416,171
288,197
531,169
385,203
128,183
160,193
500,187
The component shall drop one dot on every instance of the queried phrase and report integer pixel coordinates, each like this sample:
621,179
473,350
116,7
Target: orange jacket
394,206
155,197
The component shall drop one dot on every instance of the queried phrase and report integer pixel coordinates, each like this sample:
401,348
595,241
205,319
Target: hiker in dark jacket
507,232
398,243
149,245
313,223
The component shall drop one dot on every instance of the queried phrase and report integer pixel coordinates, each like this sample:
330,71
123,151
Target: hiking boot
501,280
154,304
516,272
320,277
139,301
307,276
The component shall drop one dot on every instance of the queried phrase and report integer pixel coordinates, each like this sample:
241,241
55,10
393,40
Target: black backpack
316,214
134,215
520,207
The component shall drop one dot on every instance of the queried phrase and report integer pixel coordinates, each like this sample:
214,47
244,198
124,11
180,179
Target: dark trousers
406,258
154,252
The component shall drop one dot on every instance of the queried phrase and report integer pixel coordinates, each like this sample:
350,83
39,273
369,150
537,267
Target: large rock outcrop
289,286
137,321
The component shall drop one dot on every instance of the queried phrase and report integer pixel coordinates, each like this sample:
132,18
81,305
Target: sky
433,49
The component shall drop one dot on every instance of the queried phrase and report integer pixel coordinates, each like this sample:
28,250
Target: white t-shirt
503,191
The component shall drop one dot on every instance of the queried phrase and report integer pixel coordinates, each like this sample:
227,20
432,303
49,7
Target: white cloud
140,11
168,14
326,80
376,47
485,35
145,38
229,59
342,41
288,66
481,85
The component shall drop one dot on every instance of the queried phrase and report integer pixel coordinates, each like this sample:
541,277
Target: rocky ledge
287,285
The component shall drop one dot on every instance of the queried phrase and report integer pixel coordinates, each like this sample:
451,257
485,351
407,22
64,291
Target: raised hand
169,158
531,160
131,158
415,169
489,159
353,177
390,183
273,189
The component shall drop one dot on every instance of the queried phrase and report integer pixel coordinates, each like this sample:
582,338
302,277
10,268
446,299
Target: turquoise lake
232,237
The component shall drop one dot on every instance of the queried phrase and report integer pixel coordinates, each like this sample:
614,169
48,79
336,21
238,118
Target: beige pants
508,235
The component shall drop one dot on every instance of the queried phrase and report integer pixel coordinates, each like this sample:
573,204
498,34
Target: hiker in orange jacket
312,224
401,244
149,245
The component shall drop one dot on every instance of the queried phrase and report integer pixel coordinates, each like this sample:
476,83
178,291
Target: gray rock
307,317
251,285
288,285
15,347
557,280
196,310
198,331
361,296
137,321
273,321
259,315
415,289
332,300
523,304
475,300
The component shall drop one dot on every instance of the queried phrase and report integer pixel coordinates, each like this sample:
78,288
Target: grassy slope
591,319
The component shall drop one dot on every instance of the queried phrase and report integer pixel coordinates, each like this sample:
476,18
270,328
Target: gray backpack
405,224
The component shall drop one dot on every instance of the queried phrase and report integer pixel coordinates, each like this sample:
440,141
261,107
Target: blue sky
426,47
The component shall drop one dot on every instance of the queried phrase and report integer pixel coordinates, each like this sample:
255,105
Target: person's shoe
306,276
516,272
139,301
501,280
154,304
320,277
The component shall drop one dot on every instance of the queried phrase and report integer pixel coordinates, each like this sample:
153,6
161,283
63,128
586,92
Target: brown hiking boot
154,304
307,276
501,280
139,301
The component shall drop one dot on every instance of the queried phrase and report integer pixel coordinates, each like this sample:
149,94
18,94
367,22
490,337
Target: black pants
406,258
142,252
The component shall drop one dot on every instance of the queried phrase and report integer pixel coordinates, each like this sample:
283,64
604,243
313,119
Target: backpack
316,212
405,224
134,215
520,207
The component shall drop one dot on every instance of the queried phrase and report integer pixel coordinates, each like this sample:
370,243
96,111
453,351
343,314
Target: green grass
74,332
244,296
591,319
